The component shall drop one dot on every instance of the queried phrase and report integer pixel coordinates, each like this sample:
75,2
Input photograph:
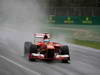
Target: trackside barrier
85,20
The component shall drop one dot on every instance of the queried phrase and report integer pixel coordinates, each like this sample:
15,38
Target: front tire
65,51
27,46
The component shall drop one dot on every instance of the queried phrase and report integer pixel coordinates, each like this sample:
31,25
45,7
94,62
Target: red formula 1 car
45,49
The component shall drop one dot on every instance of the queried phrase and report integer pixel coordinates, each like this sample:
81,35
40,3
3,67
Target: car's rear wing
41,35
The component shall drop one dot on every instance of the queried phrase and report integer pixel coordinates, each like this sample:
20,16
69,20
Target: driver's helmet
46,40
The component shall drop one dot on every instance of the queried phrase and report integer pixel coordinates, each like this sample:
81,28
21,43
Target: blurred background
72,7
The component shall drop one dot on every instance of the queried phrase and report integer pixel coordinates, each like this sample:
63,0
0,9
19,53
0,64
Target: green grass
91,44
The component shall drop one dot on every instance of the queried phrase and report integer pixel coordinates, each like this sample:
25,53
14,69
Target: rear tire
33,48
64,50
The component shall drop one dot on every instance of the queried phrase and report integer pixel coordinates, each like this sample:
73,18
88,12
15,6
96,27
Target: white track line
25,68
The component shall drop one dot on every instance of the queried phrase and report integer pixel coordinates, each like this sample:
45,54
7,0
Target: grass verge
91,44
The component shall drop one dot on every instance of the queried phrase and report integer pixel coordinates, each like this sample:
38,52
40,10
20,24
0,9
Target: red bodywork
50,46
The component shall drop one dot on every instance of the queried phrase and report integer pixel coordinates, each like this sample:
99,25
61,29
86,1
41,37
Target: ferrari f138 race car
44,49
